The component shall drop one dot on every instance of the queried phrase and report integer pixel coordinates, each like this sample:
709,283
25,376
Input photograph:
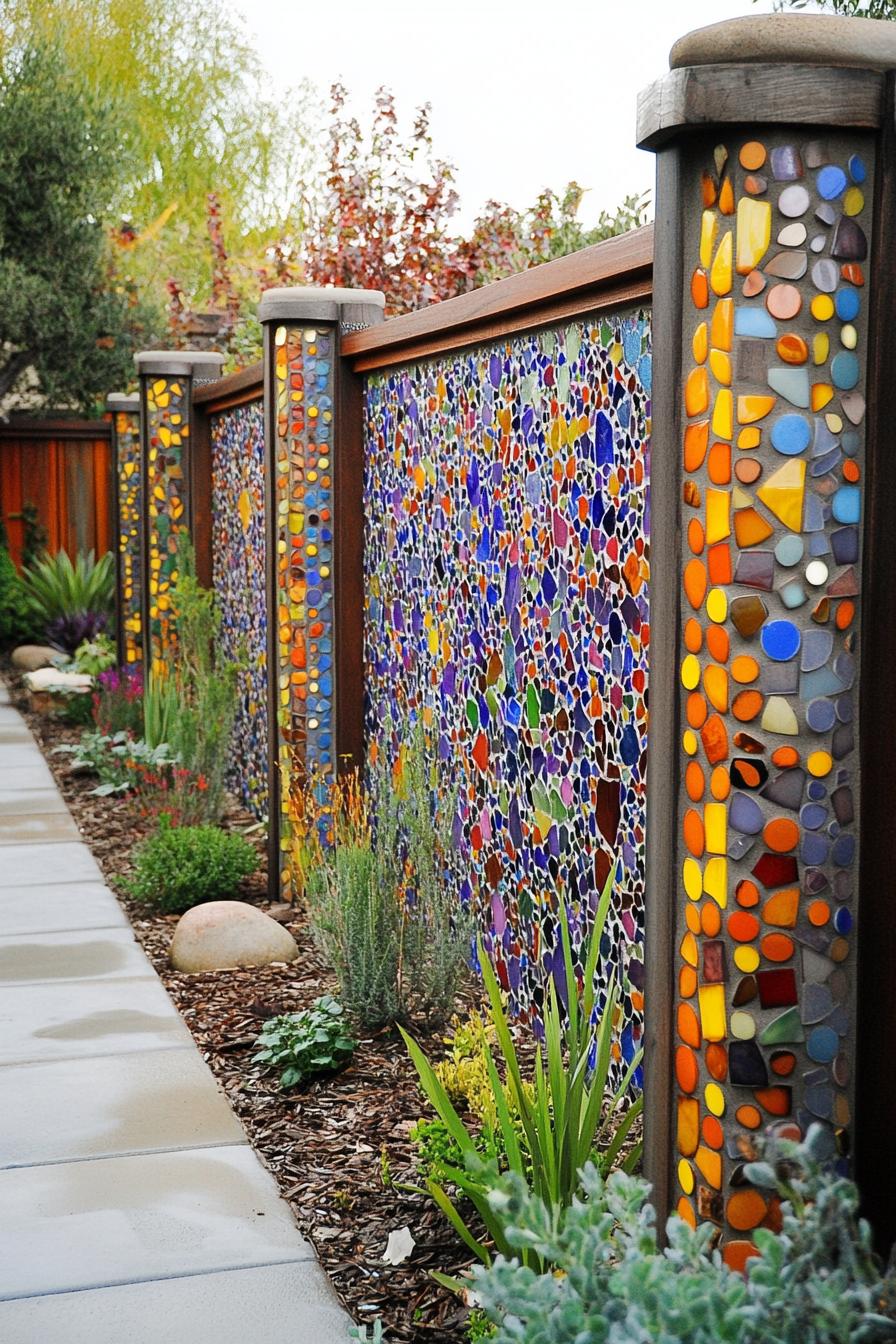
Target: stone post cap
310,303
123,401
202,364
803,39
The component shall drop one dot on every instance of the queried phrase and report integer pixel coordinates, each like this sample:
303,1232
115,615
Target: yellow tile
722,324
715,881
754,233
721,276
715,824
708,228
751,408
720,366
783,493
713,1020
749,438
723,414
700,344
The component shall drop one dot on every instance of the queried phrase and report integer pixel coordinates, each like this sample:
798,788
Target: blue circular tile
791,435
845,370
847,304
813,816
831,182
857,170
821,715
780,640
822,1045
789,550
843,920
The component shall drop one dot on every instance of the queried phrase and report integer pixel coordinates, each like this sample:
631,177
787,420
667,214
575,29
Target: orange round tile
687,1070
792,349
785,757
718,465
747,705
692,918
747,470
710,919
819,913
687,982
696,536
776,947
715,680
744,669
697,710
783,1063
745,1210
694,781
718,643
752,155
693,833
720,784
748,1116
738,1254
781,835
743,928
693,635
695,583
685,1210
851,471
746,893
845,613
713,1134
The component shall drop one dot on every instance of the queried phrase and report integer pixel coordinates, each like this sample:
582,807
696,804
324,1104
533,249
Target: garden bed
336,1146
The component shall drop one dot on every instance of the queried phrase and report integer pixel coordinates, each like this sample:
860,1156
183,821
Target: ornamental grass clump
545,1129
374,866
69,603
182,866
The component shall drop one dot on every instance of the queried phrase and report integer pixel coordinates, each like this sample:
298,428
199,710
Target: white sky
525,93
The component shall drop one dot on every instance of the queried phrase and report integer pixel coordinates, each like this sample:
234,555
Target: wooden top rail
56,428
236,389
615,272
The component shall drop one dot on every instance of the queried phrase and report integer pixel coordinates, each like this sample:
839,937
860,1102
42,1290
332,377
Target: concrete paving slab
44,828
276,1304
126,1219
27,865
74,954
30,802
76,905
18,755
15,733
30,777
117,1105
75,1019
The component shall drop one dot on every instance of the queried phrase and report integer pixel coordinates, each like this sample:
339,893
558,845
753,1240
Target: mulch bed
337,1147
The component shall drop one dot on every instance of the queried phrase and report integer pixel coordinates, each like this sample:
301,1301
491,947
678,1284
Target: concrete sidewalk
133,1209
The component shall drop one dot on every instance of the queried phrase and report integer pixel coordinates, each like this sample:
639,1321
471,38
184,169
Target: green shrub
69,601
817,1282
182,866
95,656
203,694
551,1127
15,621
381,900
303,1044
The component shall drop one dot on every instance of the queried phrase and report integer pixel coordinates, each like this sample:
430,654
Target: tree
847,9
382,220
194,114
63,315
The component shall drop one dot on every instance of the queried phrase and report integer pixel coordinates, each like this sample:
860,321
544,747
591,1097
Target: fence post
127,524
166,381
770,844
315,527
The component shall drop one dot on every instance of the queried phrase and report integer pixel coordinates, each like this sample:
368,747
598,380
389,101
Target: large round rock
29,657
220,935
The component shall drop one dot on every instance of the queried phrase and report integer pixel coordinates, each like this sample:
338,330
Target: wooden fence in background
64,468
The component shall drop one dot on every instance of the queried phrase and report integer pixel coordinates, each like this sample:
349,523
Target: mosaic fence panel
506,508
238,570
303,376
130,533
774,372
167,437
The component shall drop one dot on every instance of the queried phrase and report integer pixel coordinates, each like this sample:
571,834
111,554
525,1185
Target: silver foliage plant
815,1282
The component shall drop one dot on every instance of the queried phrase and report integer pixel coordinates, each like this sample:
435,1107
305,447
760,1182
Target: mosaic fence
506,514
167,436
238,570
303,493
774,370
130,533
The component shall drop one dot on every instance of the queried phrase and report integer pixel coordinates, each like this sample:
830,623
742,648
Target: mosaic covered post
166,381
128,507
768,608
315,528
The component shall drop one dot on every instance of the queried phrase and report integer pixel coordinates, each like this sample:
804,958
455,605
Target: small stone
51,679
218,935
30,657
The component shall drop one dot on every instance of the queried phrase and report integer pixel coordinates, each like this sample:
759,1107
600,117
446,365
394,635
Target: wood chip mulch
339,1147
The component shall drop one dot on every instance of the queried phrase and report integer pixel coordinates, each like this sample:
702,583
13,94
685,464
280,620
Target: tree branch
12,371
